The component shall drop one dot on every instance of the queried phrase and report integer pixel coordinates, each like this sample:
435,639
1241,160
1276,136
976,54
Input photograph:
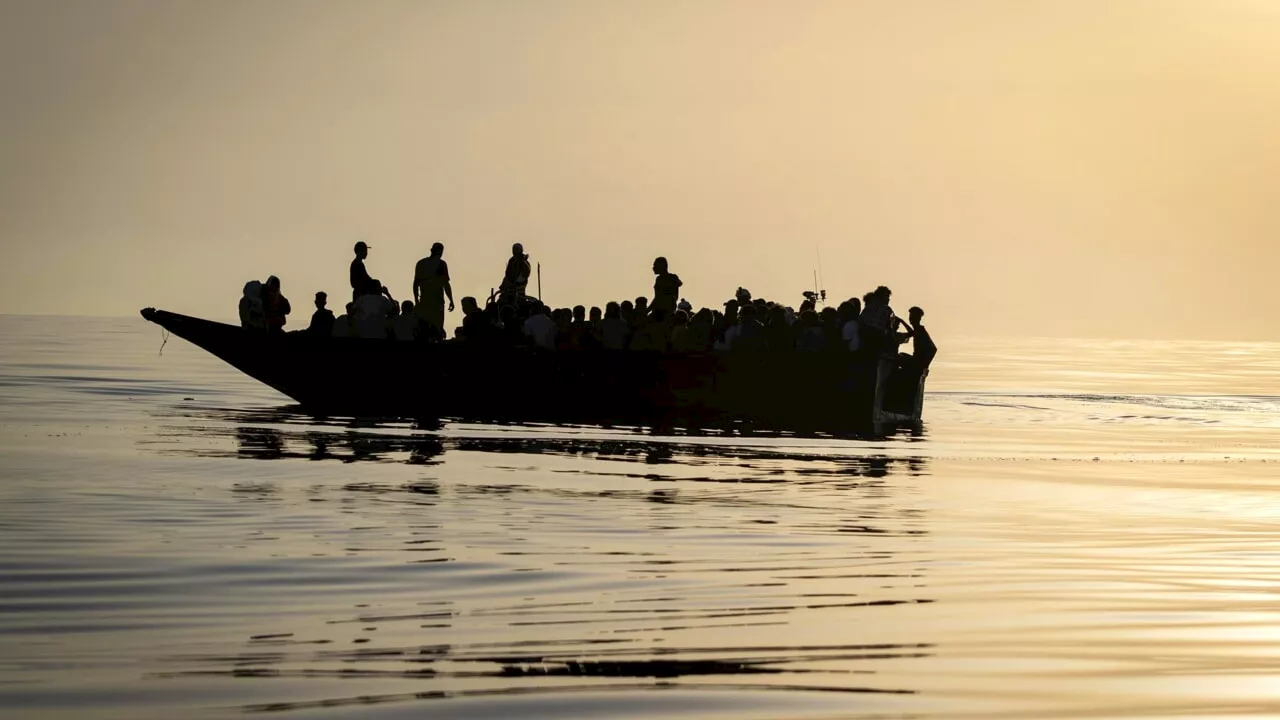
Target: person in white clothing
541,328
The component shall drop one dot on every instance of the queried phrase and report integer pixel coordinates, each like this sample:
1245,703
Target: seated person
322,319
405,326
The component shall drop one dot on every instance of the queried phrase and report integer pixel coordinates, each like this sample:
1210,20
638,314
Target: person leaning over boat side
666,287
322,319
923,349
516,277
275,305
430,287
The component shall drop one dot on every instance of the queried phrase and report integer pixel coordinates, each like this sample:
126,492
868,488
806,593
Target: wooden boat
351,376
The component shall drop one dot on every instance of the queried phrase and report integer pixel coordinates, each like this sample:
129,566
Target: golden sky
1079,167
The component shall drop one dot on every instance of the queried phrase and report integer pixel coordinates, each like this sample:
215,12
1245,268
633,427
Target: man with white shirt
541,328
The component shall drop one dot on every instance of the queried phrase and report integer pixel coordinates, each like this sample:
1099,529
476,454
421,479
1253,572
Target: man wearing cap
361,283
430,287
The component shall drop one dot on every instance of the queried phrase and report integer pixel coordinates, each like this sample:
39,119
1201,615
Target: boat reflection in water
468,564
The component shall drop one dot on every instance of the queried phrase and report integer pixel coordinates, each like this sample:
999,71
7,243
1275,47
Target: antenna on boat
539,281
819,293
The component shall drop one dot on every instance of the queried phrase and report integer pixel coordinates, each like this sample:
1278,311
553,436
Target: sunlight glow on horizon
1057,167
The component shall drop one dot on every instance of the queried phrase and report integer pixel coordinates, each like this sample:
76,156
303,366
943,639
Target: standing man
666,287
430,288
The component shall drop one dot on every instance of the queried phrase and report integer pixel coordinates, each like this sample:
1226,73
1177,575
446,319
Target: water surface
1079,529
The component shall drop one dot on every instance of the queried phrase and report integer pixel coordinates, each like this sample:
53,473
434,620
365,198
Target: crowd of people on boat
665,323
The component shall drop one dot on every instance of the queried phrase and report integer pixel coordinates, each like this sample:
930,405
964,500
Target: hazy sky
1088,167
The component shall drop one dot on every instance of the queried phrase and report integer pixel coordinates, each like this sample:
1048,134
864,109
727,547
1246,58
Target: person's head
808,304
743,296
761,306
406,307
612,310
680,318
703,317
469,305
437,249
869,299
748,312
808,319
362,250
915,315
684,305
659,265
596,314
321,300
883,294
579,313
517,250
642,305
829,316
350,307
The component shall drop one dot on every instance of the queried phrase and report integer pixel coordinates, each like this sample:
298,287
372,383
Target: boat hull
349,376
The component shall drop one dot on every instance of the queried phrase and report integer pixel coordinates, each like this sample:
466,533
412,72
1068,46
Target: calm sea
1080,530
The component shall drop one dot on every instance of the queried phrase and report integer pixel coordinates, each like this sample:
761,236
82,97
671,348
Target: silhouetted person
275,305
253,315
405,326
344,324
474,324
750,335
878,324
361,283
642,306
777,331
614,330
697,337
516,277
540,328
849,311
923,349
430,288
808,332
369,315
322,319
666,287
652,334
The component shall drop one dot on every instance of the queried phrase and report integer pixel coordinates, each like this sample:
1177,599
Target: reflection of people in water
259,443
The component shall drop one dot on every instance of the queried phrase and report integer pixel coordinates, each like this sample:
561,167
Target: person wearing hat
361,283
